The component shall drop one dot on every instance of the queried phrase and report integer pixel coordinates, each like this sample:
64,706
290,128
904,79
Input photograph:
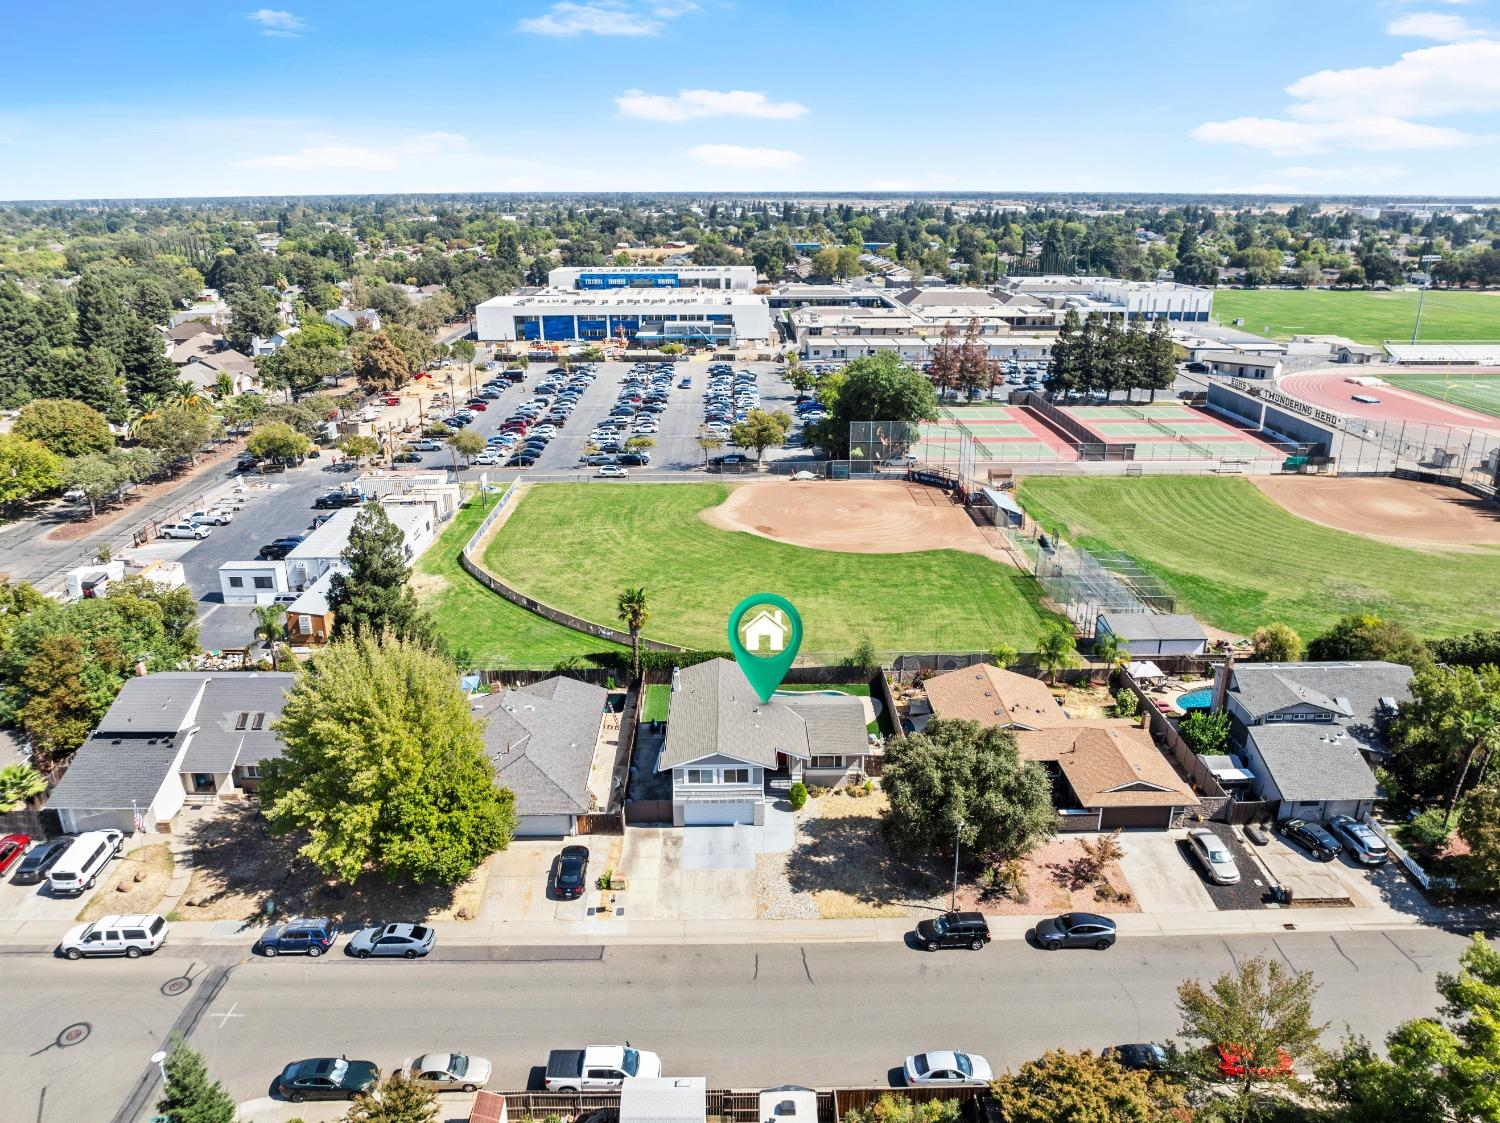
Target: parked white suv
130,936
185,530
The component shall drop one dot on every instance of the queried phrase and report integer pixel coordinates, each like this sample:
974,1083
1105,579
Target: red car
392,399
1232,1063
12,846
478,403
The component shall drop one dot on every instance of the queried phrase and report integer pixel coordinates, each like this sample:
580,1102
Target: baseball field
1237,560
1365,317
575,546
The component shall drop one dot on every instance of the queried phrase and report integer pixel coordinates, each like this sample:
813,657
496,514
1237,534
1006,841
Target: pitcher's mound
855,518
1388,509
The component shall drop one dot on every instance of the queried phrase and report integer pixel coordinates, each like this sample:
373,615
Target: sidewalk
616,931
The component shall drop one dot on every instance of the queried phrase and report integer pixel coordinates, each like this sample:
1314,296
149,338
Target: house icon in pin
765,632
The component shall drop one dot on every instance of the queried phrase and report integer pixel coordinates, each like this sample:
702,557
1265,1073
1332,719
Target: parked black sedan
1313,837
1147,1056
953,930
1076,930
40,859
327,1078
570,872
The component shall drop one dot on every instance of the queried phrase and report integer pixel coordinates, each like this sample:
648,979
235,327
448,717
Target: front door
203,783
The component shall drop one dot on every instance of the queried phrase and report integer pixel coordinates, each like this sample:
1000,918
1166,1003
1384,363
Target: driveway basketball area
853,517
1387,509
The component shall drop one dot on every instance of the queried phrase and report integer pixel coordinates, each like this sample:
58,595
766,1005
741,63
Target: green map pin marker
764,634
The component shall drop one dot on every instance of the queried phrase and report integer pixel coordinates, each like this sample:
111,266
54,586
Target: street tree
1365,637
188,1095
398,1100
957,781
710,442
760,430
278,442
176,430
359,447
1063,1087
1275,643
98,477
384,767
1055,651
67,428
942,368
1479,827
973,369
634,610
467,443
27,469
373,597
1262,1011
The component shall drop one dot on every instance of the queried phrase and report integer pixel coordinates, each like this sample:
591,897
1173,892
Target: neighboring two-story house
730,754
1311,731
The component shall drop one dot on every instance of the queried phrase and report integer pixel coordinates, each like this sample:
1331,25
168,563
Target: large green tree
380,364
176,429
1063,1087
23,344
103,318
277,441
252,312
1263,1010
875,388
959,781
27,469
67,428
1436,739
90,376
304,364
1275,643
760,430
1365,637
384,768
143,358
373,597
189,1096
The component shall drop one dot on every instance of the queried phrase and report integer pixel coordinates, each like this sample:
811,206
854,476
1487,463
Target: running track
1328,390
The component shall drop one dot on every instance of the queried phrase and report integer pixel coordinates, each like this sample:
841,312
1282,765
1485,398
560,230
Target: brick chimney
1221,681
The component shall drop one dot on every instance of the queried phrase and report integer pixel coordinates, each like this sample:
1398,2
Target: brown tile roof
993,696
1108,764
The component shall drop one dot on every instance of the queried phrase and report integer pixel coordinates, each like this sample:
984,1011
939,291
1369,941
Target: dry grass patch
238,867
136,884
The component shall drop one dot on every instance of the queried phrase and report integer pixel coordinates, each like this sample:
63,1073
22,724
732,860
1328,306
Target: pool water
1197,699
804,693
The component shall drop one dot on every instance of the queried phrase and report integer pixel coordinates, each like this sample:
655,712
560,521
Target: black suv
276,551
1314,837
954,930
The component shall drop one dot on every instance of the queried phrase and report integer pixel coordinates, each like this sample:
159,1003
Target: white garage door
717,814
544,826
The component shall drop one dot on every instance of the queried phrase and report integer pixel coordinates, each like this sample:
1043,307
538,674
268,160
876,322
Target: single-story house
1111,769
1241,364
258,581
730,754
309,618
169,737
352,318
187,329
203,368
1310,731
543,739
994,696
269,345
1154,633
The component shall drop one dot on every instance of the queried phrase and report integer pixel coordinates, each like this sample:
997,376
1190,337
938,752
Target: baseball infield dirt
854,517
1388,509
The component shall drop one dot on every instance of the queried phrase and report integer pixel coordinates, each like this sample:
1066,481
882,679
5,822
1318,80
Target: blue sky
1312,96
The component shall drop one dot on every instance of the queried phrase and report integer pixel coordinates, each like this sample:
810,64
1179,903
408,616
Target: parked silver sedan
407,940
449,1072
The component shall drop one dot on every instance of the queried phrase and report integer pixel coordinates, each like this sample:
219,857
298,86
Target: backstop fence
1469,458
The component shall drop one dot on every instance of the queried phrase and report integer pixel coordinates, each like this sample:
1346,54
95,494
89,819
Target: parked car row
644,392
727,399
971,930
313,936
525,434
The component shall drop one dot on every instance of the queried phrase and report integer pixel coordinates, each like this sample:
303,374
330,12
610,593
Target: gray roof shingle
219,744
154,704
716,711
1311,763
116,773
1351,689
541,738
1154,625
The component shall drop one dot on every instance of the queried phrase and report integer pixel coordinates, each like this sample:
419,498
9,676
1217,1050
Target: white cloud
1377,108
1309,138
371,158
566,19
1442,27
690,105
278,24
744,159
1303,179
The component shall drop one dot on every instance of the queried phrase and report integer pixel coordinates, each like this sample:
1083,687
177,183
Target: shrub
798,796
1430,828
1126,704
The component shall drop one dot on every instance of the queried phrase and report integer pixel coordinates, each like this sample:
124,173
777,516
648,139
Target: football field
1479,392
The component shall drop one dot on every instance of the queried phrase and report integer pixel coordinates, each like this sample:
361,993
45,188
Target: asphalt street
743,1016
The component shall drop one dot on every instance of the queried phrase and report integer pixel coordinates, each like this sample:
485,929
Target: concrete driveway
519,879
700,873
1158,877
1343,879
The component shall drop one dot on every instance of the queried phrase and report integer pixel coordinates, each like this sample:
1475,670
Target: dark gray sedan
410,941
1076,930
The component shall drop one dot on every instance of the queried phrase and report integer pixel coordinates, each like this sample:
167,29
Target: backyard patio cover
1145,669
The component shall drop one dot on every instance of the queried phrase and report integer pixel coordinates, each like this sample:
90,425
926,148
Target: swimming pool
1202,699
805,693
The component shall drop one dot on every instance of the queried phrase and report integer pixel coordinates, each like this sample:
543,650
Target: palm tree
18,784
1476,729
634,613
1111,650
1055,651
268,626
138,414
189,398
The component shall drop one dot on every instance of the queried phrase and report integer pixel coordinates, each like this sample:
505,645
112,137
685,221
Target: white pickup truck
598,1067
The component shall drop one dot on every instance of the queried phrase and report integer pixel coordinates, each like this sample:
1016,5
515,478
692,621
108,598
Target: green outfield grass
575,546
485,629
1365,317
1477,392
1237,561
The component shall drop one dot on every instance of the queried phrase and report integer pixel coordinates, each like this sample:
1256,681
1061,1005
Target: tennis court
1479,392
1002,434
1172,431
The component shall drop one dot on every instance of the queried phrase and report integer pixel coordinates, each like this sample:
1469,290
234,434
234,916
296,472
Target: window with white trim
699,776
736,775
826,762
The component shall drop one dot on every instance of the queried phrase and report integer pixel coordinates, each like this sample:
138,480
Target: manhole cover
75,1034
173,987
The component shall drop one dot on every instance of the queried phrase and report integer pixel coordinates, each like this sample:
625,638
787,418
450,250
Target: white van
130,936
81,863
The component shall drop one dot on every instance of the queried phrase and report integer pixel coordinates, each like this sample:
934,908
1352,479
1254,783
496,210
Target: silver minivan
81,863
